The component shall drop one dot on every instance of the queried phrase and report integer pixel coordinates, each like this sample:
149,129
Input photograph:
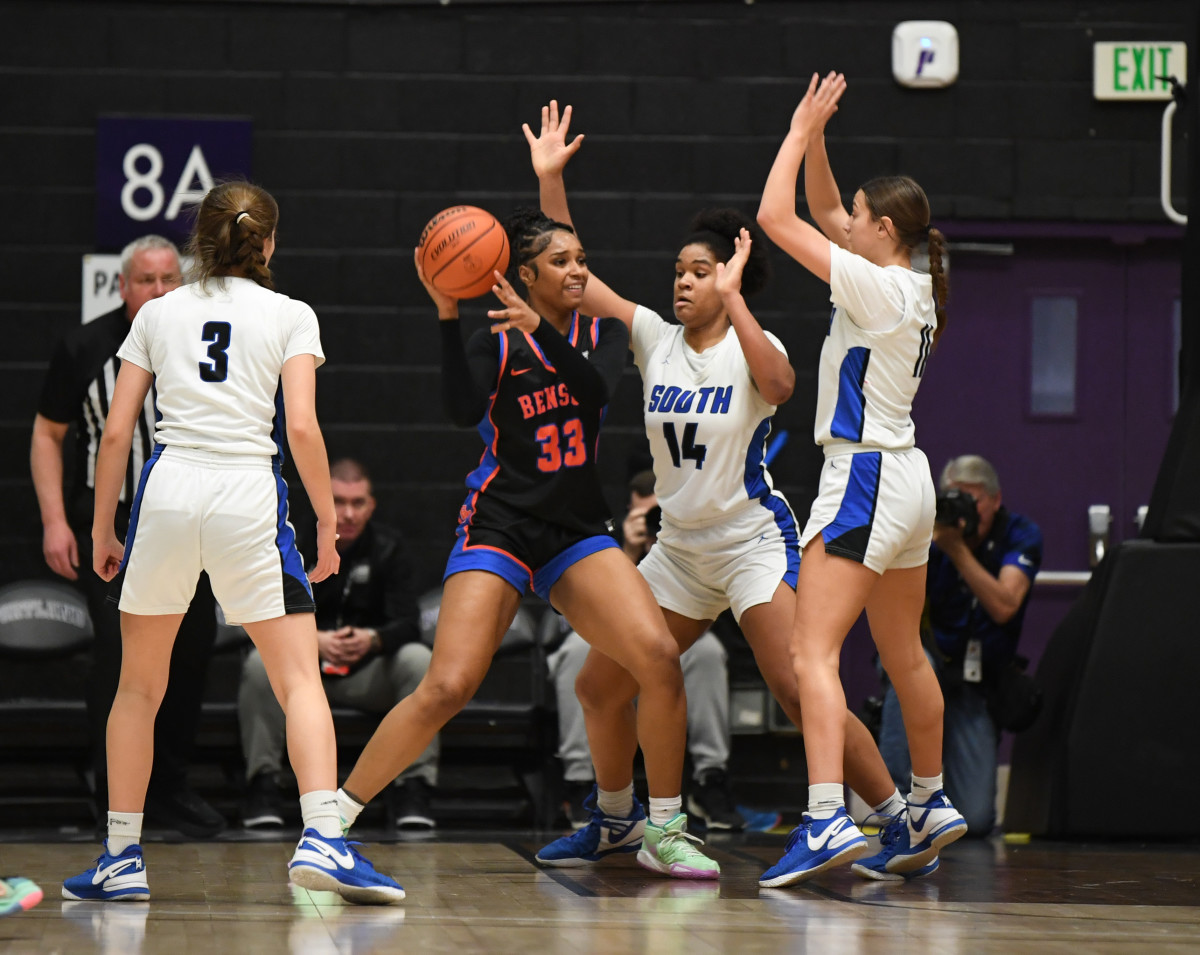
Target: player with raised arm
866,544
711,385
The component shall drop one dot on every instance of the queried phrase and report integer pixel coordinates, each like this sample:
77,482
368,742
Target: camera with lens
957,505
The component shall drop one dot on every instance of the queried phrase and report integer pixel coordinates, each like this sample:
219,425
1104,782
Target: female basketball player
536,388
228,356
874,510
711,386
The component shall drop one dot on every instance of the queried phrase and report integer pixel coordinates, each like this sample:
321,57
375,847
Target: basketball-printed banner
149,171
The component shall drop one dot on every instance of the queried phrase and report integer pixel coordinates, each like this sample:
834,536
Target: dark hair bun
728,222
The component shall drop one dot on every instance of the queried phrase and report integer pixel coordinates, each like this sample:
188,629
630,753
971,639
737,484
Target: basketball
459,249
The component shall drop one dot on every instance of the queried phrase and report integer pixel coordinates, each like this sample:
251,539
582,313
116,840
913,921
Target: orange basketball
459,249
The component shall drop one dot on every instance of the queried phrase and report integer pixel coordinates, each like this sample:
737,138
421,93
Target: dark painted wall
370,118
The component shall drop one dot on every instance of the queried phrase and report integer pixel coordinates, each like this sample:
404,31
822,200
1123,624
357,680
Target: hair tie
925,231
244,215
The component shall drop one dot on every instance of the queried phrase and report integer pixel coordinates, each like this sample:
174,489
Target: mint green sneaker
669,850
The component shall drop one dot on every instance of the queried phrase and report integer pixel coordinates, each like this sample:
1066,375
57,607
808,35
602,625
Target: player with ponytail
227,357
866,544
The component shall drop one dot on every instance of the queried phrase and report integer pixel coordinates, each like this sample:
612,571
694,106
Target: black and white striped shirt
78,387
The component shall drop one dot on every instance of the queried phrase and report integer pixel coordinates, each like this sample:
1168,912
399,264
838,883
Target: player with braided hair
866,544
536,386
728,540
227,357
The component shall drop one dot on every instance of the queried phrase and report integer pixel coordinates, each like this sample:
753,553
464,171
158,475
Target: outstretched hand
516,314
549,150
729,274
447,305
819,104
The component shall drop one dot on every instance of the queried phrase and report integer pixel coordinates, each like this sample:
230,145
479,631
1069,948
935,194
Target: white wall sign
101,291
925,53
1137,69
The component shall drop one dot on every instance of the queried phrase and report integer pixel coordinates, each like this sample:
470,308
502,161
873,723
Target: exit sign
1136,69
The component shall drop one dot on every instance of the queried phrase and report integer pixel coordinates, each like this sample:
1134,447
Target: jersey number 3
219,333
553,457
690,451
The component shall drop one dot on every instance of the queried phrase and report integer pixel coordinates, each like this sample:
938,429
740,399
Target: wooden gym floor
481,892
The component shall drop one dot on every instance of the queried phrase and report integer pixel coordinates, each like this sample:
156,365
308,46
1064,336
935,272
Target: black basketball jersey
538,402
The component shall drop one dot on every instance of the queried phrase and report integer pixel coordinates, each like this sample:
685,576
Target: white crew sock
924,788
892,806
319,810
124,830
663,811
616,803
348,808
825,799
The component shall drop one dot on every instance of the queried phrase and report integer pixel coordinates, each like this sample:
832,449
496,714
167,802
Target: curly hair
717,228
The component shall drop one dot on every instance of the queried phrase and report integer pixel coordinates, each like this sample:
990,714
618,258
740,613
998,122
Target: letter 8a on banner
148,169
195,171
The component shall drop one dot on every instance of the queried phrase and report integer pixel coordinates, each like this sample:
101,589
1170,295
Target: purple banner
149,172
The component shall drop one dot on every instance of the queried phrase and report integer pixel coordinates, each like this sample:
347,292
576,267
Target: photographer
981,569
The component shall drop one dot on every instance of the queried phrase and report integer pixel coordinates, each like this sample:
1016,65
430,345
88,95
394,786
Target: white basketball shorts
737,563
221,513
875,507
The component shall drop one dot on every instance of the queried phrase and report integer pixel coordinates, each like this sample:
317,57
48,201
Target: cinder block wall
369,118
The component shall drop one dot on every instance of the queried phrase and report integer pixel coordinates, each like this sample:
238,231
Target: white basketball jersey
873,358
216,357
706,422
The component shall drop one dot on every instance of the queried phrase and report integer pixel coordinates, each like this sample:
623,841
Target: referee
77,390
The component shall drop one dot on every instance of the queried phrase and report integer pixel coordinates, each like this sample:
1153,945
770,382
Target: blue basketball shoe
602,836
814,846
893,843
931,825
334,865
119,878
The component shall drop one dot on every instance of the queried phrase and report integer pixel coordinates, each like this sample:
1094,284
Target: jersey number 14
690,449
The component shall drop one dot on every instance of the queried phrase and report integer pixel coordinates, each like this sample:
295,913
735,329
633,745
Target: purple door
1058,366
